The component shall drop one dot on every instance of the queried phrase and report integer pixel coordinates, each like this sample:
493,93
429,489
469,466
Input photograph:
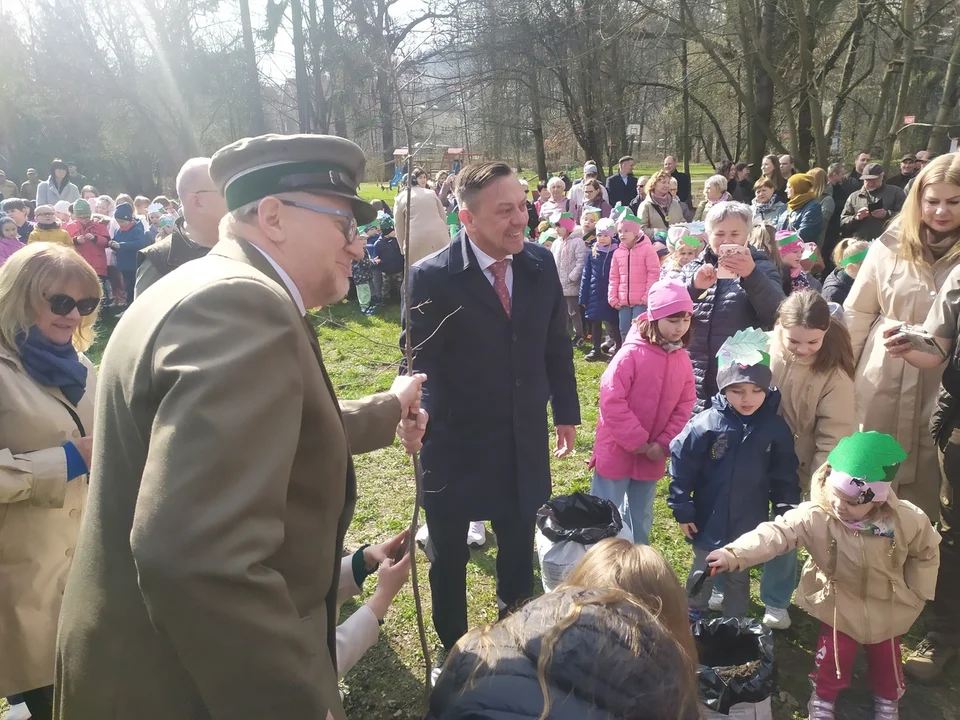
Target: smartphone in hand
726,250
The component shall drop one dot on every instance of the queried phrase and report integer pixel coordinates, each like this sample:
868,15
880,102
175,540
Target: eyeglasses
64,304
349,230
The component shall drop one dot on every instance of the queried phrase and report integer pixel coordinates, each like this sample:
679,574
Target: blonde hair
764,237
848,247
124,198
30,277
819,176
618,564
909,225
656,177
717,182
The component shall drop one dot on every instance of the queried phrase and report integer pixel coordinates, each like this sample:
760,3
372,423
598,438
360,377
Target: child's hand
719,560
390,578
114,244
376,554
89,236
655,452
376,261
689,529
642,450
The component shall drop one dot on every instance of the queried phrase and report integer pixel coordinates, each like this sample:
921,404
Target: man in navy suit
622,185
488,329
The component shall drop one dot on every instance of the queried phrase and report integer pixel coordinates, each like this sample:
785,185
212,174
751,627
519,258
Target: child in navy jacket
729,464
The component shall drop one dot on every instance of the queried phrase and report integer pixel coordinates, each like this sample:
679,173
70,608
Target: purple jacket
8,246
646,395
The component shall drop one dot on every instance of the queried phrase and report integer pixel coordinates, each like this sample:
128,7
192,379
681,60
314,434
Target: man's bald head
203,206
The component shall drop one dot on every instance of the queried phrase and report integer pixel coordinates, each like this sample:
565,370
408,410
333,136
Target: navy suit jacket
490,376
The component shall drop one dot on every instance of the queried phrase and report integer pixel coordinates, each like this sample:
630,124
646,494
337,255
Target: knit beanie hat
788,242
564,220
863,465
124,211
667,297
386,224
626,220
62,206
81,209
606,226
800,183
745,358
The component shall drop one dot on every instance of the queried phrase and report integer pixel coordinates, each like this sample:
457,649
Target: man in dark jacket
868,211
75,177
622,186
490,334
908,170
838,191
854,180
683,180
194,234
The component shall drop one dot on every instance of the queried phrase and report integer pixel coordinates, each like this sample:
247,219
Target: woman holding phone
896,285
733,287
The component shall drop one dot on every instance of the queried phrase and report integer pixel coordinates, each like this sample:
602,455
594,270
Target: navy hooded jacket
727,469
594,284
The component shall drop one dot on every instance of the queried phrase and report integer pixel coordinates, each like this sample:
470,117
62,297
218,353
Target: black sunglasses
64,304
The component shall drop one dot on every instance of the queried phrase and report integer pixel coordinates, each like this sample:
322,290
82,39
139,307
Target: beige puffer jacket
869,587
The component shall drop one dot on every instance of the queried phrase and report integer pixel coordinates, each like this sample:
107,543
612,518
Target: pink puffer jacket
646,395
8,246
633,272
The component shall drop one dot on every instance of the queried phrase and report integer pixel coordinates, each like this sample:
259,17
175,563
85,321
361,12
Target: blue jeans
628,314
634,499
779,580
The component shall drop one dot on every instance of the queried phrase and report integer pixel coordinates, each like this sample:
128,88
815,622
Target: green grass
361,356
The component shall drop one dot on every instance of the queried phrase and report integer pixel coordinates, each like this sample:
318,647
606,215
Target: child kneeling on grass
730,463
873,563
646,397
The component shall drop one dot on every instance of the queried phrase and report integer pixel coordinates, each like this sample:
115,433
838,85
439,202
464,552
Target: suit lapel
526,276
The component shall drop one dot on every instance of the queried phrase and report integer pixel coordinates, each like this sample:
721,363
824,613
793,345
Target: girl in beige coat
48,301
873,563
897,283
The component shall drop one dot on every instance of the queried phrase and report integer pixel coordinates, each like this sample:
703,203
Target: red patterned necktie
499,270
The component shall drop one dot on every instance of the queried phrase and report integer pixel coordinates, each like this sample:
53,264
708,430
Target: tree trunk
811,127
385,97
907,20
300,64
762,87
256,124
893,67
321,114
939,140
684,72
846,76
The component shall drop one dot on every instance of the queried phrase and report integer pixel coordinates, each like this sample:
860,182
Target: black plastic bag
582,518
727,643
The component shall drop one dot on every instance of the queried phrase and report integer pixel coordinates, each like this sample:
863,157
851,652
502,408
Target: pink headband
859,490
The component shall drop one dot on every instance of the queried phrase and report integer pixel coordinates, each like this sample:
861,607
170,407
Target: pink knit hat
788,241
666,298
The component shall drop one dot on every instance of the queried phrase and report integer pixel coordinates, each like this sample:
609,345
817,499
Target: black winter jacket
728,306
592,676
837,286
944,418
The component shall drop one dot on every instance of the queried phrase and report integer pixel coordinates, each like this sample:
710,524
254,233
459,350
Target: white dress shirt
287,281
485,261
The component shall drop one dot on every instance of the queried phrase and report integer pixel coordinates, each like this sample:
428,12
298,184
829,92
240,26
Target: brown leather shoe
926,663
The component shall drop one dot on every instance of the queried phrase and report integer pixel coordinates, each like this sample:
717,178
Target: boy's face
848,509
154,219
125,224
19,216
45,216
588,222
746,398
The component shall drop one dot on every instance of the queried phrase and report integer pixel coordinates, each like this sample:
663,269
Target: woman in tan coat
897,284
659,209
48,301
428,220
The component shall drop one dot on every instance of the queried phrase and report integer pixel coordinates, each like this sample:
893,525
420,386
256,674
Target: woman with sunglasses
48,301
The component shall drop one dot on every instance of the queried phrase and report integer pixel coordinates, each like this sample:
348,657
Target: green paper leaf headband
788,239
745,347
870,456
453,218
855,258
692,241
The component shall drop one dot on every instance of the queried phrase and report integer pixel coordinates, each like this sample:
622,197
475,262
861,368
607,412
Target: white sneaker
423,535
776,618
716,601
20,711
476,534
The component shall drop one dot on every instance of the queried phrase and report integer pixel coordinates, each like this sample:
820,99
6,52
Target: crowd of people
789,344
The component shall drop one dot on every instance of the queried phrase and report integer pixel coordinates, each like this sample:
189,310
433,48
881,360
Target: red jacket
93,251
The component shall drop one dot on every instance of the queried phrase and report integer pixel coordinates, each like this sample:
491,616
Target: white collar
287,281
484,260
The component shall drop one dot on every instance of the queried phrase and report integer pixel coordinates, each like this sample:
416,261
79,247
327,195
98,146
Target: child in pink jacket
633,271
646,398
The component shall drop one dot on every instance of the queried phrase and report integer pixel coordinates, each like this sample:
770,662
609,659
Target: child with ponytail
646,397
848,257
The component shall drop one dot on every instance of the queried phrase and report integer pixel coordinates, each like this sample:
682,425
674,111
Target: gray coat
728,306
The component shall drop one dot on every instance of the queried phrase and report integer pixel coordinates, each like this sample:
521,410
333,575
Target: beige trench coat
892,396
818,407
39,519
428,223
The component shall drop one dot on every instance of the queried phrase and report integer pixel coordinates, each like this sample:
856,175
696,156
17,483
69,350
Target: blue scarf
53,365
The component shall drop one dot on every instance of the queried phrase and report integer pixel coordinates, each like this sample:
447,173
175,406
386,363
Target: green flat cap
253,168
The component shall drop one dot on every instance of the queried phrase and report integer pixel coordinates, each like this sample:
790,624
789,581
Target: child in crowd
9,240
128,241
682,247
792,249
547,237
124,198
20,212
588,225
848,257
764,237
634,270
363,281
714,191
48,229
63,211
152,226
618,564
730,463
646,397
371,233
812,362
91,236
166,227
141,205
390,259
873,563
593,292
570,254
